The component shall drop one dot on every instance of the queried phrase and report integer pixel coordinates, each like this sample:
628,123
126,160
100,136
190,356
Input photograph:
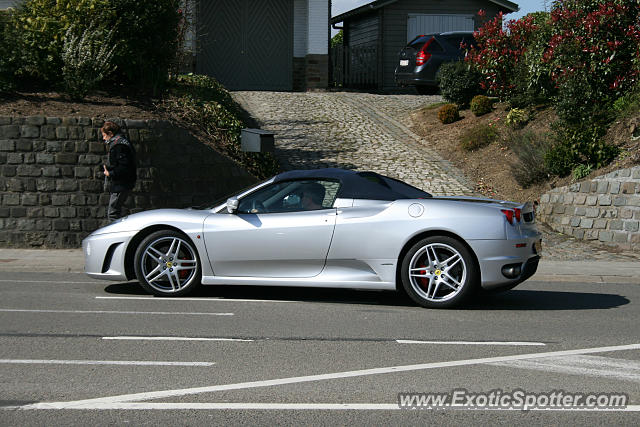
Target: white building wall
300,27
318,28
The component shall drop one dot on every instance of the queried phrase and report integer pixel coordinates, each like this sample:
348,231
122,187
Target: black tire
427,90
167,264
443,272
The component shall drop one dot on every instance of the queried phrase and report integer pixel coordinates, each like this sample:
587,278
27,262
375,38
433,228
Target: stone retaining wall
51,182
606,209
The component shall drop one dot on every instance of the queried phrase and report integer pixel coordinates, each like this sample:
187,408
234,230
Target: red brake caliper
423,280
182,274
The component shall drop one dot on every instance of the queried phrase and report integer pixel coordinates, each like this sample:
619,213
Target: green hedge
146,38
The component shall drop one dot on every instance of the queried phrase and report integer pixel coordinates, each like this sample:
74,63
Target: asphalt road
76,351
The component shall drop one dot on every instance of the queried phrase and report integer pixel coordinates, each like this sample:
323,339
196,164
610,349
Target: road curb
582,278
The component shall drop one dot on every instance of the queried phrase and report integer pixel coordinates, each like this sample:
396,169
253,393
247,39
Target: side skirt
312,282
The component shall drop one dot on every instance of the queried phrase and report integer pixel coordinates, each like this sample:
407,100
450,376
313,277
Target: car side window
290,196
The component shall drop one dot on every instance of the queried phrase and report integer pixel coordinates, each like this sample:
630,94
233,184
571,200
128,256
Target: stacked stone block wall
606,209
51,181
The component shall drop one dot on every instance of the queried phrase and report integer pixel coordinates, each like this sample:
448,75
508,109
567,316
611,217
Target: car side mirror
232,205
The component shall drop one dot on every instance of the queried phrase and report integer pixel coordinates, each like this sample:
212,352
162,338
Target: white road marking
522,343
309,407
174,339
136,397
102,362
195,299
11,310
58,282
593,366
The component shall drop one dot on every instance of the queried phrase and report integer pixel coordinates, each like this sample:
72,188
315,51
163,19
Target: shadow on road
510,300
281,293
547,300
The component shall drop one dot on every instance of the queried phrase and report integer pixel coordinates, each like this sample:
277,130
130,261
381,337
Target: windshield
222,200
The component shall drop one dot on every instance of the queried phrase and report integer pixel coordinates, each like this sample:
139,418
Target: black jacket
121,164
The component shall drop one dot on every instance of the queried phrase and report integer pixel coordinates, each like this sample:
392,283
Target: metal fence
354,67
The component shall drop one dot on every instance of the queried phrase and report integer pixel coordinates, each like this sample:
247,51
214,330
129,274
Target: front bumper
104,255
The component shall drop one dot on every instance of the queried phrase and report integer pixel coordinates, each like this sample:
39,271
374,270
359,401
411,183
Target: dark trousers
116,205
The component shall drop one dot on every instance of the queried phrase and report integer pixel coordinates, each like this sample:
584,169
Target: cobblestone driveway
353,131
369,132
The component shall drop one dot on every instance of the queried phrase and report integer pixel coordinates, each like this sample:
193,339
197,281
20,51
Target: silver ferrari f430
325,228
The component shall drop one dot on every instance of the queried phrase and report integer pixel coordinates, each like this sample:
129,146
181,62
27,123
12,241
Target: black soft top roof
359,185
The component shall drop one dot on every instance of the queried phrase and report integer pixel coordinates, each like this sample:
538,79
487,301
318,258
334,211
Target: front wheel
439,272
166,264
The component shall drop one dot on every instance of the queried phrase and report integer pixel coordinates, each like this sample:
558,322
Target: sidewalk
71,261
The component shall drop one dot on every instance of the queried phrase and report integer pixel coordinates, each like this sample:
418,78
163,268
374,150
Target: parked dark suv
420,60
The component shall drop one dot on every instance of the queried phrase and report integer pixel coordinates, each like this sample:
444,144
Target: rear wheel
439,272
166,264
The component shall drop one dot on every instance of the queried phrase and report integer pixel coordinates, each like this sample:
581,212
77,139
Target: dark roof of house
359,185
511,7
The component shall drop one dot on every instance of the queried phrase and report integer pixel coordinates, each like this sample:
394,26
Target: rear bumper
410,79
418,76
492,260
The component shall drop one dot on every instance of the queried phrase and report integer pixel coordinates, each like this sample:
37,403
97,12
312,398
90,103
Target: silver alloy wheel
437,272
169,264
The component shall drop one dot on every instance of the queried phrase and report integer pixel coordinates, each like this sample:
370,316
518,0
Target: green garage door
246,44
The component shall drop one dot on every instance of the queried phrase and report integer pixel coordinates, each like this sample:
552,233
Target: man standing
120,168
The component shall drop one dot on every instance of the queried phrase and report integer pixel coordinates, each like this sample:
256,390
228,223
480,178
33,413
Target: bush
201,102
8,44
516,118
500,48
579,144
594,54
337,40
530,149
86,58
478,137
448,113
146,32
531,76
459,82
480,104
580,172
627,104
39,28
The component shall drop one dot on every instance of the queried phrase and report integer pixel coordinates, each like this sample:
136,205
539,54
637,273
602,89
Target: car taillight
512,214
422,57
508,213
518,212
